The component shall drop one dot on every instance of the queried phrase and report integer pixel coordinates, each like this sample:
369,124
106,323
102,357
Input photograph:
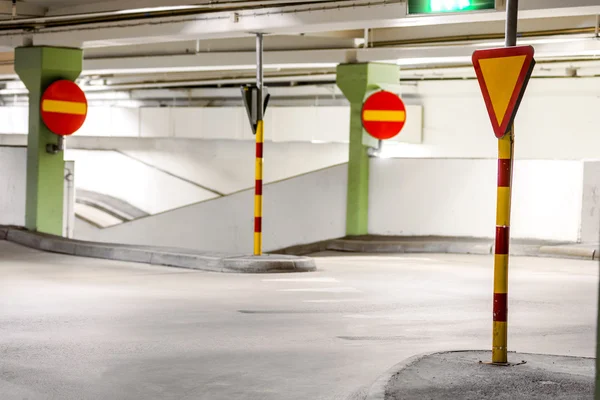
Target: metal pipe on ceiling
480,37
194,83
175,11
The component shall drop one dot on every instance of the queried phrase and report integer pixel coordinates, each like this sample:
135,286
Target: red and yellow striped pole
258,206
500,325
260,138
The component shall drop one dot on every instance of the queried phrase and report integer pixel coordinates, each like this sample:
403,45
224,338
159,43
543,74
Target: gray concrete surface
468,376
167,256
82,328
453,245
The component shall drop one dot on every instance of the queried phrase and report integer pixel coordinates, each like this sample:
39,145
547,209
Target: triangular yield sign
503,75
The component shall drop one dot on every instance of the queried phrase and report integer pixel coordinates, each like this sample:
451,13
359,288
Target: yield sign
503,75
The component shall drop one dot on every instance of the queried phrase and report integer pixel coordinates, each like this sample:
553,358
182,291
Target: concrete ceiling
158,41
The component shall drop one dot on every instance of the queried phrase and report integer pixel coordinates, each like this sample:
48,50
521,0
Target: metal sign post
503,206
503,75
260,133
256,100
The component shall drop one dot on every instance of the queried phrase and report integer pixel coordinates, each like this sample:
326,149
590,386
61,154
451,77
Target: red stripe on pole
258,224
259,150
504,166
502,239
258,187
500,307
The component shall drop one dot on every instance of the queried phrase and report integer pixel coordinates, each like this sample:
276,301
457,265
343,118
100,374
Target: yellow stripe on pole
384,116
503,206
64,107
500,342
258,169
505,147
257,243
501,273
260,132
257,205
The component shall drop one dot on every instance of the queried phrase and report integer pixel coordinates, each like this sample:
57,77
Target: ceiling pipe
482,37
174,11
193,83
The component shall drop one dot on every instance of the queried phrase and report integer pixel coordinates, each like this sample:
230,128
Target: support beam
24,10
342,15
356,81
312,59
38,67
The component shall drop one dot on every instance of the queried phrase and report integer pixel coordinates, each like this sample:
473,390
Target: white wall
228,166
282,124
145,187
590,212
558,119
409,197
13,183
457,197
304,209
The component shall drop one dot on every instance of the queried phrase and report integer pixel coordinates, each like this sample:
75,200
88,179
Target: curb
368,246
212,262
569,252
575,251
377,390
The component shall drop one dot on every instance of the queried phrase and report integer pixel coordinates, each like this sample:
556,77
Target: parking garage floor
76,328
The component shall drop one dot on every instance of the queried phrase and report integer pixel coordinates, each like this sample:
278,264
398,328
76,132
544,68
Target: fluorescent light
208,68
154,9
433,60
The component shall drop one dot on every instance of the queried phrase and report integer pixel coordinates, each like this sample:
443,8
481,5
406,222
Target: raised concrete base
395,244
466,375
172,257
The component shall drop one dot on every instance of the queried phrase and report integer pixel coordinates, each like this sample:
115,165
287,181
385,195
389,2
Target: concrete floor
74,328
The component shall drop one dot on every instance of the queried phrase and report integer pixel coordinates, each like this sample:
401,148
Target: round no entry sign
383,115
64,107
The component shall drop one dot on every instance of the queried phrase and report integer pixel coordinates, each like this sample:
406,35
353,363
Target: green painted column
38,67
356,81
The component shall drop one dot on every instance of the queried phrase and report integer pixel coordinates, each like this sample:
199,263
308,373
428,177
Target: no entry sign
64,107
383,115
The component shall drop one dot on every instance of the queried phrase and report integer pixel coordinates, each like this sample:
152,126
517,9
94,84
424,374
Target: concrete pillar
356,81
38,67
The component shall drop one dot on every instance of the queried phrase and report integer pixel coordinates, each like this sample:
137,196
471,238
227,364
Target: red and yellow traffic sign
383,115
503,75
64,107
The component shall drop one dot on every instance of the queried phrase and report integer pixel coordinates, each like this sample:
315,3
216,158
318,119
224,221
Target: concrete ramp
304,209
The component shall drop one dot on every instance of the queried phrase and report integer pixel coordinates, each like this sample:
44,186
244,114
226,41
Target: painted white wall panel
125,122
13,165
187,122
590,211
14,120
558,119
222,123
457,197
333,126
156,122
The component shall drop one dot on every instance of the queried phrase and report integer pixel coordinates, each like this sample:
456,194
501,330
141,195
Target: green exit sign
443,6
